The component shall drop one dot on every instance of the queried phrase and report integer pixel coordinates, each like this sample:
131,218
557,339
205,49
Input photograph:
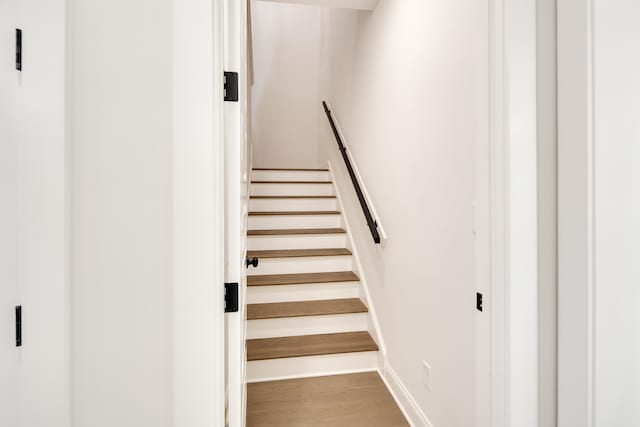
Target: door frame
199,183
236,208
512,302
576,225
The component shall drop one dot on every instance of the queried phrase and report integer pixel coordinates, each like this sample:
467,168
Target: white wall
120,105
404,84
617,212
33,269
286,99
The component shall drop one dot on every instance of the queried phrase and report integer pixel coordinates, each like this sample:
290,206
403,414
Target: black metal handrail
373,225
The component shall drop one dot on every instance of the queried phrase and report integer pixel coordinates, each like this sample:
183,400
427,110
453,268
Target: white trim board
513,139
576,232
357,268
407,404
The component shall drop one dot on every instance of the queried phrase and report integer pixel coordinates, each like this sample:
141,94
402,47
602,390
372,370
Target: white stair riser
292,205
310,366
301,241
267,222
306,325
308,292
290,175
292,190
321,264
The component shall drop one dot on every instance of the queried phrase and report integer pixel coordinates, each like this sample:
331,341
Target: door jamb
513,150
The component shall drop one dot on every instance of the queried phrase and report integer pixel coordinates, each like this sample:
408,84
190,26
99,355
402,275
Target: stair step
309,345
291,169
293,197
295,253
267,213
301,278
292,182
295,231
305,308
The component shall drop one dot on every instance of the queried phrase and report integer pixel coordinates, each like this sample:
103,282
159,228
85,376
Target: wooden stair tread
268,213
291,182
293,197
309,345
301,278
305,308
296,253
295,231
292,169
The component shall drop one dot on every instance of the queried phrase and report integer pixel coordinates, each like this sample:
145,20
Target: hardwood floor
277,213
295,231
293,169
297,253
305,308
352,400
301,278
309,345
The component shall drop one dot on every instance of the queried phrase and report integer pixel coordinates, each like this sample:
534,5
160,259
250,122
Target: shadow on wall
286,93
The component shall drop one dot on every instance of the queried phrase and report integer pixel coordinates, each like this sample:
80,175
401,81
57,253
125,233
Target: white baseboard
403,398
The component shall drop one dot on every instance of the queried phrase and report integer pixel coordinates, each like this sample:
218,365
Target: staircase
306,315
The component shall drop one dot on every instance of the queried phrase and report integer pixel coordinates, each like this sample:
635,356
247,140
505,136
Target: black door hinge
478,301
18,49
231,86
18,326
230,297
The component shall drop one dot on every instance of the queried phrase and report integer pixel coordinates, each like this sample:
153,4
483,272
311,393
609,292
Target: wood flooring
310,345
352,400
301,278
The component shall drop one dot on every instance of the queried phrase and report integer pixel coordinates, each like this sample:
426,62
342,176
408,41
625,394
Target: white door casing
236,197
199,202
513,193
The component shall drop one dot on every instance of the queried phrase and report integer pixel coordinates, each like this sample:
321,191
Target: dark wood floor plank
279,213
305,308
292,182
309,345
292,169
297,253
352,400
293,197
301,278
296,231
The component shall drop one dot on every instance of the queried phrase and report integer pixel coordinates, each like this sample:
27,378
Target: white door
9,353
236,185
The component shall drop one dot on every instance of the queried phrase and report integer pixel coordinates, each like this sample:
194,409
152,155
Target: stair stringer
373,324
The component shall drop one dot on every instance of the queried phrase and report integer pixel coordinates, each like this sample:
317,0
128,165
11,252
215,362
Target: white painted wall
286,93
404,84
617,212
120,105
34,384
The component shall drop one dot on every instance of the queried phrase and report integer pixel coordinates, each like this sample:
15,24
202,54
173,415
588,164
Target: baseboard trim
409,407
